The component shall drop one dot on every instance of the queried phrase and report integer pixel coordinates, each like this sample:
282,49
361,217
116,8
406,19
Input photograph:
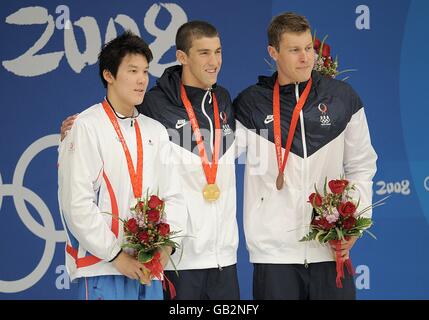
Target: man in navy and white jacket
331,139
208,257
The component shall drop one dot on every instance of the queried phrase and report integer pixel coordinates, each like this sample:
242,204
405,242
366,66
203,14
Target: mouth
139,91
212,71
303,68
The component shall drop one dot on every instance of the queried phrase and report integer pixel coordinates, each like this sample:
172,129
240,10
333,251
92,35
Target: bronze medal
281,161
279,181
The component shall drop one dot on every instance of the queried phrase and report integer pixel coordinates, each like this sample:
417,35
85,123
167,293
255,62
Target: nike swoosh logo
269,119
181,124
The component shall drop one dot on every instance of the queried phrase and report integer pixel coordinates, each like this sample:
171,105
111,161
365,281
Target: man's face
202,63
131,80
295,57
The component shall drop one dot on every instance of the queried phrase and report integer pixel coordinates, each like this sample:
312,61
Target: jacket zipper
304,175
208,92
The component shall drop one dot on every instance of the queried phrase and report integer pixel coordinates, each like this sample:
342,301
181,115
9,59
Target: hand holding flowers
149,240
336,221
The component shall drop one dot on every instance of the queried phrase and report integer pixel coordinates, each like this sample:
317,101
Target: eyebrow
136,67
205,50
293,47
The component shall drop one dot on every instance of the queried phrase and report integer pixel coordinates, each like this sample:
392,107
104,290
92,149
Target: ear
107,75
273,52
182,57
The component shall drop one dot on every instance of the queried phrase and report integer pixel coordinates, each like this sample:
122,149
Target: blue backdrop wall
48,71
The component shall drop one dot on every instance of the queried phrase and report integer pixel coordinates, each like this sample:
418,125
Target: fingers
342,247
345,245
145,277
344,254
69,120
165,255
139,274
66,125
132,268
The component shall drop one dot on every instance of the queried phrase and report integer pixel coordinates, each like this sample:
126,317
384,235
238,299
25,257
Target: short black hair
114,51
286,22
193,30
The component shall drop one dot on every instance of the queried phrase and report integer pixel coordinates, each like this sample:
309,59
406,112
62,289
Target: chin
138,101
305,78
211,82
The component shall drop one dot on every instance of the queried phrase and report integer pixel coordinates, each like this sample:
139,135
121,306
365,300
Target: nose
142,78
305,56
213,60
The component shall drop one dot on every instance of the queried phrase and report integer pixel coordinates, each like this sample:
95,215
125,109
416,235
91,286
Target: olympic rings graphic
425,184
47,231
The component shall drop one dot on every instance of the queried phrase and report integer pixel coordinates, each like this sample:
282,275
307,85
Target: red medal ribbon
136,176
277,129
209,171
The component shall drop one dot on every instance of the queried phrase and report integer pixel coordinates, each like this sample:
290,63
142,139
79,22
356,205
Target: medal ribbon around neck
136,176
209,171
277,128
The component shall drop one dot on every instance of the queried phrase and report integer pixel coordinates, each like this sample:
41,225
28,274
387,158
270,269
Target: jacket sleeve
80,169
171,190
360,158
244,122
240,141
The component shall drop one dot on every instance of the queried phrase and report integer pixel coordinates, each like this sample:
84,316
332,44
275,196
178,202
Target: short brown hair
193,30
285,22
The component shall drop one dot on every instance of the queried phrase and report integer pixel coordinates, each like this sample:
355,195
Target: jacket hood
169,84
269,81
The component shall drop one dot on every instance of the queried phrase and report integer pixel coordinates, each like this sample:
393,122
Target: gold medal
279,181
211,192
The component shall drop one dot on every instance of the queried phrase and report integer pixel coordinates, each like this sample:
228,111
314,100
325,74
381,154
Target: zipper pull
305,264
220,268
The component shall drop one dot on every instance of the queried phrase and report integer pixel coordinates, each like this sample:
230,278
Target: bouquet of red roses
324,63
146,233
335,218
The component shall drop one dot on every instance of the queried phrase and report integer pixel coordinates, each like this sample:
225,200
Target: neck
283,80
119,106
189,80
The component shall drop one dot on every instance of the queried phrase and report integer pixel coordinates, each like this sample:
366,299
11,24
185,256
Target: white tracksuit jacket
331,139
91,157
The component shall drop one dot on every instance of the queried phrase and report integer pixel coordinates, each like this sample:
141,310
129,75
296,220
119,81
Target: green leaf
310,236
339,234
321,234
363,223
135,246
371,234
331,235
145,256
324,186
111,214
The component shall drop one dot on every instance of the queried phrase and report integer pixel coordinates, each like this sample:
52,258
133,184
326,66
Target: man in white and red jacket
112,156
